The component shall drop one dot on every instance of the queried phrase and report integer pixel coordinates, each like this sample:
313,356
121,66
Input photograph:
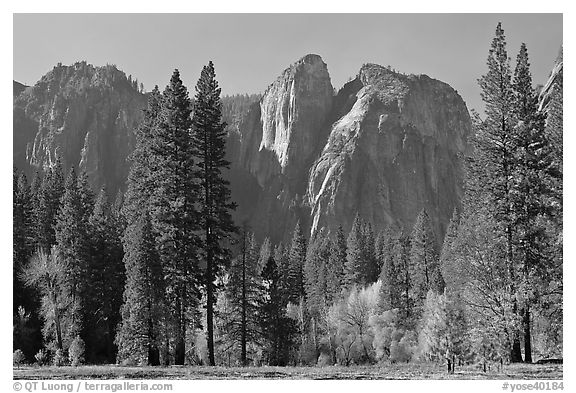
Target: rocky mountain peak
393,150
85,115
292,113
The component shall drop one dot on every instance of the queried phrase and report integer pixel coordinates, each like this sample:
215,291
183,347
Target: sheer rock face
553,86
386,146
83,114
279,139
395,150
281,136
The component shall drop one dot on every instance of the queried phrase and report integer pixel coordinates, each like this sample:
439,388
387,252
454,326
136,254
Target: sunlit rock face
83,114
280,139
396,149
385,147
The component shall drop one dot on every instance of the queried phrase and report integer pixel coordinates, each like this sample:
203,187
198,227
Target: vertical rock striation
397,148
84,114
279,139
386,146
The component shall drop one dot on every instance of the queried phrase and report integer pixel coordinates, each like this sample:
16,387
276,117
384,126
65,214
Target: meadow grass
381,371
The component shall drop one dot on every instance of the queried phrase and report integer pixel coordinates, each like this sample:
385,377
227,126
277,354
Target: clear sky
250,50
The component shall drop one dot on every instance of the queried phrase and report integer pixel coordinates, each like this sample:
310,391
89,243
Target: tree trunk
209,302
449,363
180,349
243,340
166,349
527,336
58,328
153,351
516,350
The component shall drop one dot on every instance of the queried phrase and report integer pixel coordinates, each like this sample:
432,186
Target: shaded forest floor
385,371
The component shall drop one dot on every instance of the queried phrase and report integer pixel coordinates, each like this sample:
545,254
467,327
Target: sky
250,50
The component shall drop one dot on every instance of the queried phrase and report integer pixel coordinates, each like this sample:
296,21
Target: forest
162,275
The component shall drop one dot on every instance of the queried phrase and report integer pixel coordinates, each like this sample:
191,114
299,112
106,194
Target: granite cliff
83,114
396,149
385,146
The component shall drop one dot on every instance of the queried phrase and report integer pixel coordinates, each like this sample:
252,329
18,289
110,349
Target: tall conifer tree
209,135
424,260
355,253
142,313
73,244
335,268
48,205
173,209
245,292
106,277
295,266
139,337
495,159
535,196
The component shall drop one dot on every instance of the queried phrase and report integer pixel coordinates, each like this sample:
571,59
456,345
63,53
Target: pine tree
72,240
142,313
533,191
495,159
335,268
86,196
139,334
390,291
48,205
140,184
209,137
245,292
295,266
315,269
370,265
281,259
315,284
424,260
401,254
449,265
173,208
22,237
277,329
355,255
106,277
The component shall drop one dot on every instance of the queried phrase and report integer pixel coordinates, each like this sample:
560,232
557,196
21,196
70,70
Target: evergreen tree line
315,301
139,271
162,276
68,271
491,294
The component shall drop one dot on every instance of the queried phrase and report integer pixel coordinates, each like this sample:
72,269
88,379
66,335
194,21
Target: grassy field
388,371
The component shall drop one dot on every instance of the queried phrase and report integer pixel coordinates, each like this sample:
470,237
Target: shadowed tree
72,237
244,290
173,209
139,333
424,260
209,136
